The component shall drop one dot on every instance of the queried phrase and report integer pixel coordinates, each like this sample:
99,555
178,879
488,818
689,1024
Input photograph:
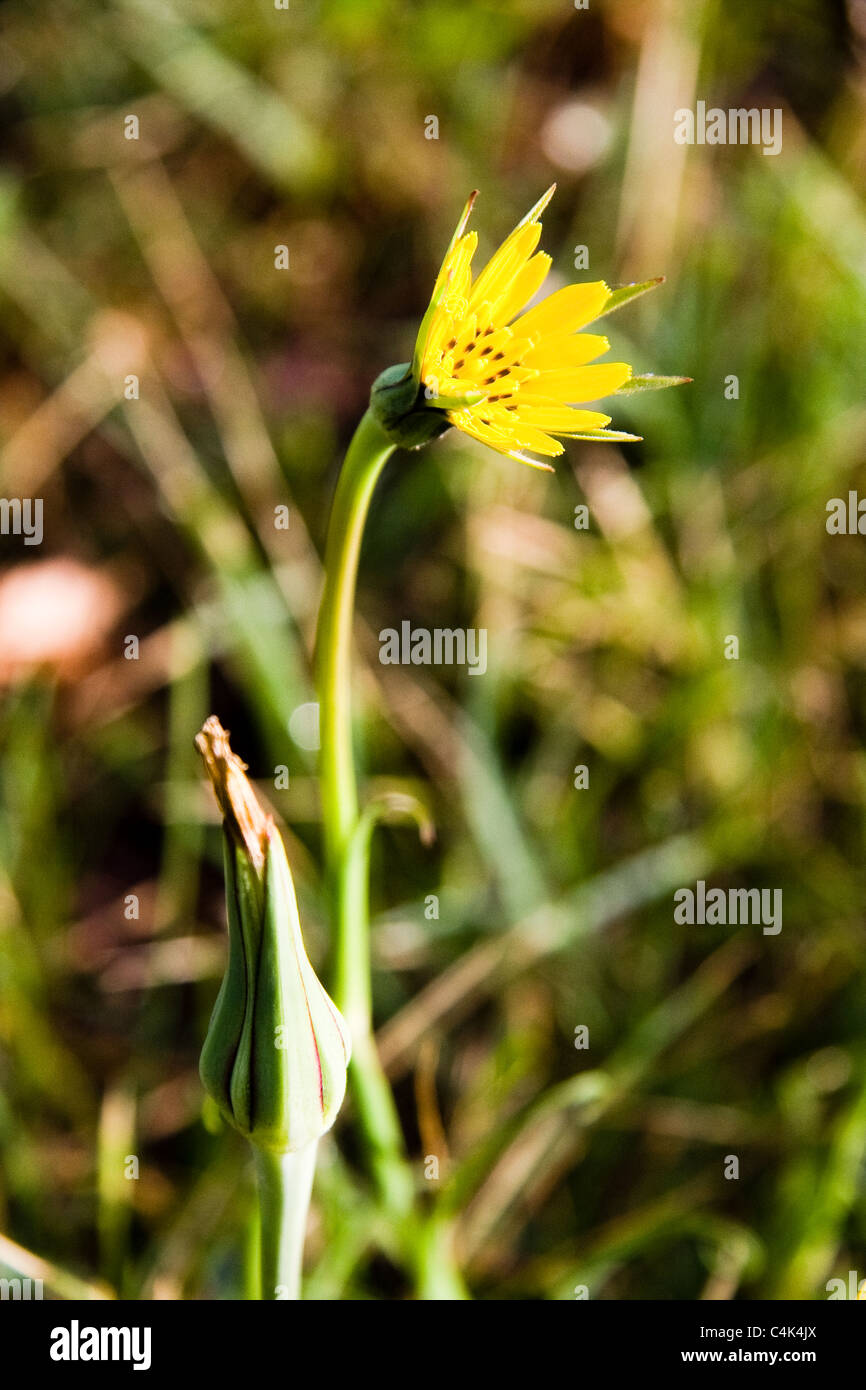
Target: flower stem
367,455
285,1185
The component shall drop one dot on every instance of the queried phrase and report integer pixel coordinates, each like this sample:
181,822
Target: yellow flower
513,382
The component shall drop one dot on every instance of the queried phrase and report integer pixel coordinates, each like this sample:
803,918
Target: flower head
509,376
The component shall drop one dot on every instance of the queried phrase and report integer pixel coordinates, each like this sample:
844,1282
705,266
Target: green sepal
626,293
650,382
221,1045
608,436
466,398
401,408
301,1044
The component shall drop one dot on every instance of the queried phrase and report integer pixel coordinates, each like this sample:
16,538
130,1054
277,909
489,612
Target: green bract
400,407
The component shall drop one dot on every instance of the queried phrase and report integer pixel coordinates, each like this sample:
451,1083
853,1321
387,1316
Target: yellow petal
561,352
497,341
560,419
565,310
452,304
507,439
466,341
584,383
512,254
456,247
460,274
525,436
509,381
504,264
470,423
509,355
526,283
454,243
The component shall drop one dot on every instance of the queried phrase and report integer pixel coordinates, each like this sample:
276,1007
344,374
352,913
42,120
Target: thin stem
346,859
377,1111
285,1186
439,1277
367,455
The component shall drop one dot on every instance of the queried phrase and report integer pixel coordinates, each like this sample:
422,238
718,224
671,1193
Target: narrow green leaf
390,808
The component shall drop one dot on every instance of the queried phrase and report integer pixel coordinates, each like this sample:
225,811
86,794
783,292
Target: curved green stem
285,1184
367,455
347,855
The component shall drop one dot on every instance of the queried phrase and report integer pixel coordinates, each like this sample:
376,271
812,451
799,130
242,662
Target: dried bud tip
245,819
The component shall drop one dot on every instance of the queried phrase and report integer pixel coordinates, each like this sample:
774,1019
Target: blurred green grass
305,127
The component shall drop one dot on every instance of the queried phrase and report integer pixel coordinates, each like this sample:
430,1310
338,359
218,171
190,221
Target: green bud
403,410
276,1051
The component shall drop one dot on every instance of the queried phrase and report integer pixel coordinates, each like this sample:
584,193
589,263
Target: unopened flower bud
276,1051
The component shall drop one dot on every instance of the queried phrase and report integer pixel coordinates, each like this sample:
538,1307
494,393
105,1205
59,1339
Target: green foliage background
306,128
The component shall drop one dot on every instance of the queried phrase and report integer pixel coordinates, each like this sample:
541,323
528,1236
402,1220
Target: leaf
625,293
390,808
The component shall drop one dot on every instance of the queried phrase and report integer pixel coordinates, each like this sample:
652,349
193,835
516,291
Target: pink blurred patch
54,614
